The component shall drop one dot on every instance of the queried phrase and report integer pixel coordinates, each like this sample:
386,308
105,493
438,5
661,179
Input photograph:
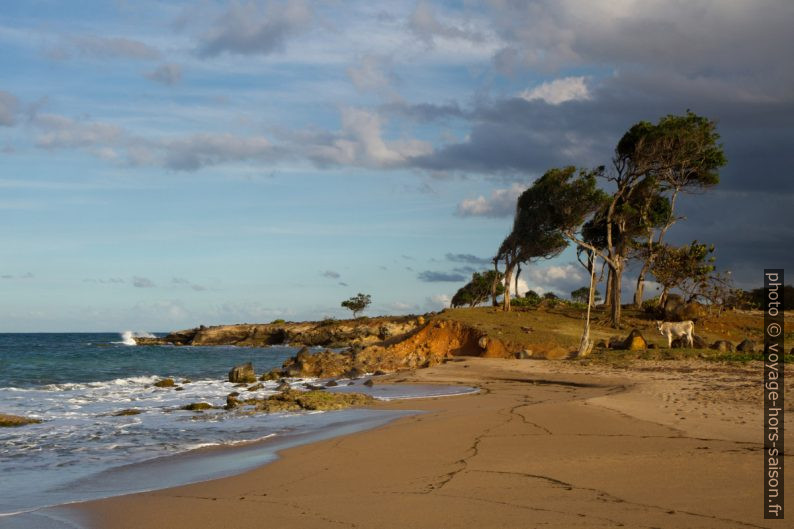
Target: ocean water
75,383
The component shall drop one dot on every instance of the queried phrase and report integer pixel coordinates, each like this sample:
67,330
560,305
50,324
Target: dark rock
350,383
232,402
675,309
354,373
615,342
243,373
313,387
682,343
179,388
187,381
283,387
369,383
303,355
128,411
234,394
331,383
273,374
602,344
198,406
165,383
651,346
255,387
723,346
633,342
10,421
380,372
747,346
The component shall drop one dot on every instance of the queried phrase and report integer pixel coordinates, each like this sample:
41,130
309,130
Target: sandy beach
544,444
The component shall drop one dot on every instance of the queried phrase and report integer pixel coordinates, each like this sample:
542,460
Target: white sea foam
128,337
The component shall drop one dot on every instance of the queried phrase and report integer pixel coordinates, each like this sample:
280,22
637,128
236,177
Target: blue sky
164,165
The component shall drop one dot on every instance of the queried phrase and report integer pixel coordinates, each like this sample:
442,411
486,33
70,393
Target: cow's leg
669,340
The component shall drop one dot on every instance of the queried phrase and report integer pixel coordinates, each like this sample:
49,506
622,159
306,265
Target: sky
170,164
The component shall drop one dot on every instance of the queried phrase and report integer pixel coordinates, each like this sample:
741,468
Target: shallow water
75,383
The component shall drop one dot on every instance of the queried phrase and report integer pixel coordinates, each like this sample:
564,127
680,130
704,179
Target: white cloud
425,24
438,301
371,75
501,203
559,91
361,143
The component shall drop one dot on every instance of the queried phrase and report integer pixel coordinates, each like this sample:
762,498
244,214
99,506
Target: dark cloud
142,282
331,274
248,29
468,258
343,284
430,276
167,74
465,270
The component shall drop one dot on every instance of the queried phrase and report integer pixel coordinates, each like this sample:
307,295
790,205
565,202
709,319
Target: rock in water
165,383
15,420
369,383
243,374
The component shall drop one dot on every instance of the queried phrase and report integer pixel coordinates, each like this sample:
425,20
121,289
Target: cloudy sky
164,165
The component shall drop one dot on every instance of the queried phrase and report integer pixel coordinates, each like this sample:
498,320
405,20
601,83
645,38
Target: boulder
256,387
615,342
284,386
722,346
331,383
635,342
369,383
10,421
273,374
672,305
697,343
165,383
747,346
232,402
198,406
243,374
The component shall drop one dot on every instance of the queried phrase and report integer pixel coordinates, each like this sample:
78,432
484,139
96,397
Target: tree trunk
495,283
641,284
518,273
586,344
508,278
608,289
617,273
663,297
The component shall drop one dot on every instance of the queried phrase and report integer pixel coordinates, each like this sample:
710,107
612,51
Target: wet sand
544,444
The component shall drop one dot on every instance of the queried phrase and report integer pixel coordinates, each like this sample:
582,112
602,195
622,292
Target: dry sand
544,444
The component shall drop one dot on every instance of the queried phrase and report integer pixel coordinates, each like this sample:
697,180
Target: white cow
670,329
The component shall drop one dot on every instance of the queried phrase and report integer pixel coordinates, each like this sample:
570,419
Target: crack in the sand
616,499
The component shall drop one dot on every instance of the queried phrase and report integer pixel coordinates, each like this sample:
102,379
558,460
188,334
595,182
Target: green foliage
525,302
581,295
277,322
685,267
755,298
532,296
479,289
357,303
550,295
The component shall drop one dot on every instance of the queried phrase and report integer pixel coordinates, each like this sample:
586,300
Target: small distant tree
357,303
582,295
479,289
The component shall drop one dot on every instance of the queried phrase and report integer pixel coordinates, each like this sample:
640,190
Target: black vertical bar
773,394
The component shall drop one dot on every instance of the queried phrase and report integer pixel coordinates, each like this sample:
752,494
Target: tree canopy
357,303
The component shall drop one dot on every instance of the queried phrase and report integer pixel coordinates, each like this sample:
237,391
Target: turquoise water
75,383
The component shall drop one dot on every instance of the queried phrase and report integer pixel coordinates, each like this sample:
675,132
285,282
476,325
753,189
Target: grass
527,328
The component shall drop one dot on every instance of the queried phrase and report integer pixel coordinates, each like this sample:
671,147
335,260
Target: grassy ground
525,328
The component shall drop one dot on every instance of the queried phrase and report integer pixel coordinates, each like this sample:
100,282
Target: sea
76,383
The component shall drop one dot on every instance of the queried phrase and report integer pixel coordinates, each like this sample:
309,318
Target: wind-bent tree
687,268
679,154
478,289
357,303
536,230
670,156
550,212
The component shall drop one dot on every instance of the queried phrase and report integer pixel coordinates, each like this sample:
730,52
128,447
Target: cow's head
659,327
